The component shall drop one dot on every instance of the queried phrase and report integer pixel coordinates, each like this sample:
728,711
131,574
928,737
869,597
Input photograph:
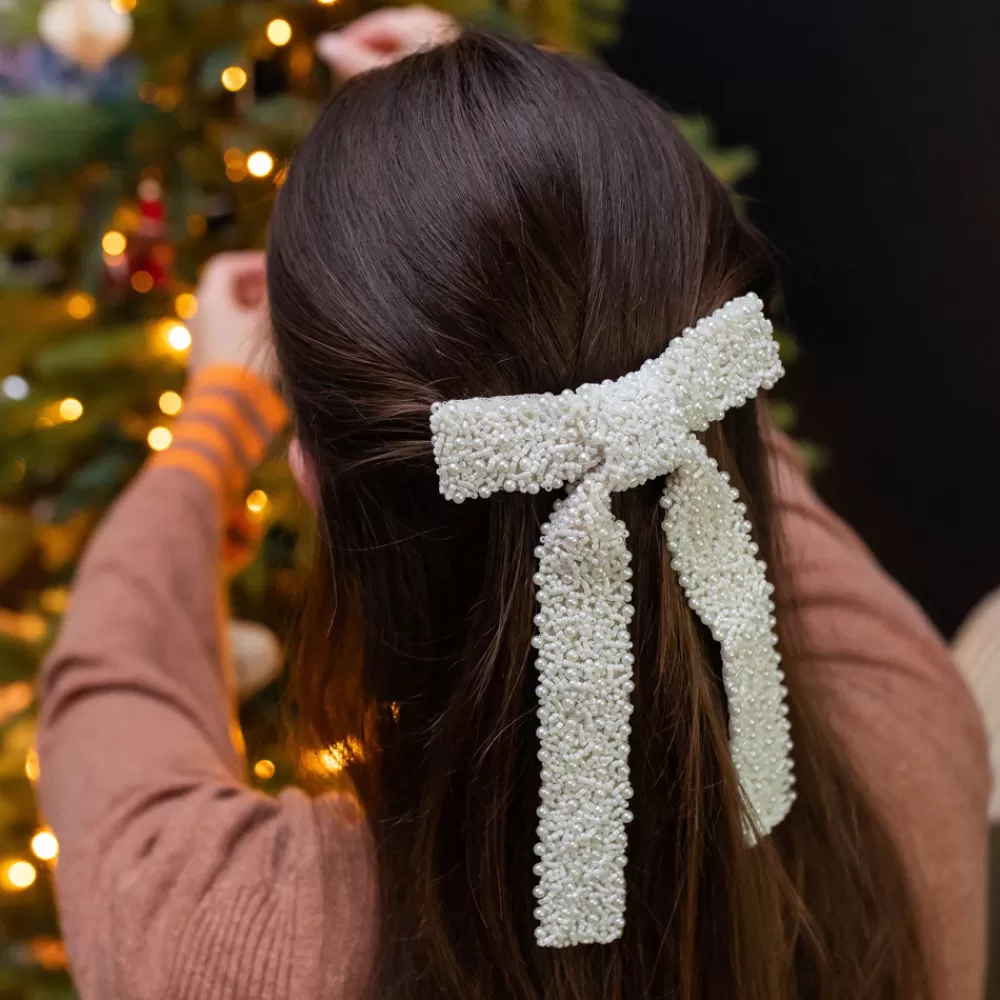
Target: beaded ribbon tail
598,440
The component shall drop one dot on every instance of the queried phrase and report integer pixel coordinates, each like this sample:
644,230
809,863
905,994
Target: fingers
383,36
237,276
348,58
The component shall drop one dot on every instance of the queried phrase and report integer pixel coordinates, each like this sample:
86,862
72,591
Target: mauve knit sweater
177,881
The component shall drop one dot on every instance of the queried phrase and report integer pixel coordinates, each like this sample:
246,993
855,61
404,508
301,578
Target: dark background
878,130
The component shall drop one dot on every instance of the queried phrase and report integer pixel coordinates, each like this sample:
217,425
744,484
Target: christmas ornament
89,32
256,656
151,255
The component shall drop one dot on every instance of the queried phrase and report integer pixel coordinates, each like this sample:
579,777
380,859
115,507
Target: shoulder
901,709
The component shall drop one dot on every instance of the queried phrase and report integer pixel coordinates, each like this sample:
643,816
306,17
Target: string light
159,438
70,409
170,403
257,501
18,875
234,78
142,281
264,769
279,32
179,337
15,387
334,758
122,6
185,305
54,600
326,3
114,243
80,305
44,845
31,768
260,163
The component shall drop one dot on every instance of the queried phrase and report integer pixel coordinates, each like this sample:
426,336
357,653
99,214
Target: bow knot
596,440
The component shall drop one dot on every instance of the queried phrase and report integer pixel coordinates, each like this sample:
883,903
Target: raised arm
176,879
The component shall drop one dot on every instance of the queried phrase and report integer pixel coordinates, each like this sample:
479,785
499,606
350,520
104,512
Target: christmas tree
139,138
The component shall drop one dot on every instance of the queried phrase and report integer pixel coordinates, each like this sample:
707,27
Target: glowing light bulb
31,768
256,501
44,845
70,409
142,281
279,32
264,769
159,438
114,243
18,875
179,337
80,305
170,403
260,163
234,78
15,387
185,305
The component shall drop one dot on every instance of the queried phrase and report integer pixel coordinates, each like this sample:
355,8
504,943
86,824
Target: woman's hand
382,37
231,325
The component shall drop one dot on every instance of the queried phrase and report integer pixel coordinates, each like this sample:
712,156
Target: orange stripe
225,409
257,390
180,458
230,471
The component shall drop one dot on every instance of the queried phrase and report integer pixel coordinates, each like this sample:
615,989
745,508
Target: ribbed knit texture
178,882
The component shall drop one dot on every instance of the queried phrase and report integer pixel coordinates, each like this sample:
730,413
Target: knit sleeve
885,681
175,879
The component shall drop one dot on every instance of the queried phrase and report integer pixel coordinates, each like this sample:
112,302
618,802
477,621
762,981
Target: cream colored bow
598,440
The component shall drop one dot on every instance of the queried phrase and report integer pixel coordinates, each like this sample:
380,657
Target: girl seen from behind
487,219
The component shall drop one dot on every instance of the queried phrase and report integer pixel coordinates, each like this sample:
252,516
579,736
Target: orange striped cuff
229,417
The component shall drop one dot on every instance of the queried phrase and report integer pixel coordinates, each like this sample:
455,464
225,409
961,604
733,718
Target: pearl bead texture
595,441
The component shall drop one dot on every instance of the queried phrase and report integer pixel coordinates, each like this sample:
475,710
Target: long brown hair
490,218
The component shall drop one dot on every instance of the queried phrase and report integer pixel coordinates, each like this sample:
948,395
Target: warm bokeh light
114,243
260,163
179,337
159,438
264,769
256,501
233,157
31,769
300,60
326,3
80,305
279,32
196,225
234,78
142,281
18,875
236,173
334,758
122,6
185,305
70,409
170,403
54,600
44,845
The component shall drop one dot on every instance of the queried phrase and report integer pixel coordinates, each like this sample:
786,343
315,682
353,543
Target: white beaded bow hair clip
597,440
